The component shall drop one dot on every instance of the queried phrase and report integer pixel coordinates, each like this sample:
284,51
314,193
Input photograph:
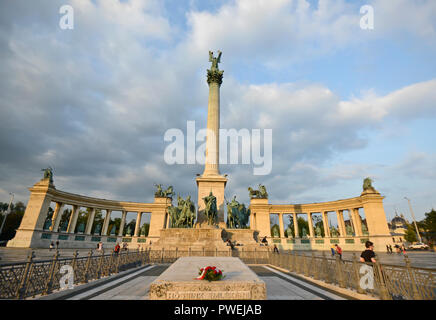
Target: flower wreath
210,274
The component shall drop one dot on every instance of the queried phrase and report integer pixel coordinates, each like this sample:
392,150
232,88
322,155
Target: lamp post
7,212
413,217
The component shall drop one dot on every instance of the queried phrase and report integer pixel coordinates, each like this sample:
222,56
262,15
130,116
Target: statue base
196,239
216,185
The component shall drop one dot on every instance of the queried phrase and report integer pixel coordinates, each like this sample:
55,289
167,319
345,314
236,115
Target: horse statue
173,212
211,208
183,215
244,214
232,213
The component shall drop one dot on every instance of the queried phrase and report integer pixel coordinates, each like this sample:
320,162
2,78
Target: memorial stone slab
178,281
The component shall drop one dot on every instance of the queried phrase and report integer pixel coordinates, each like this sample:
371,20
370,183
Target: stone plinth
244,237
208,238
216,185
178,281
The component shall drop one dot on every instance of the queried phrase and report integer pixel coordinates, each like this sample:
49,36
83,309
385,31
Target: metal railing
31,278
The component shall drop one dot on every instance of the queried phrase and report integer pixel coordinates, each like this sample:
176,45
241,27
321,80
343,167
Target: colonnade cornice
105,204
343,204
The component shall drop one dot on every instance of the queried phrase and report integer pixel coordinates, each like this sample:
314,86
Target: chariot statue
168,193
48,174
159,193
258,194
367,185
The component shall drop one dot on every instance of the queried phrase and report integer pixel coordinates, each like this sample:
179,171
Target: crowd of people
399,249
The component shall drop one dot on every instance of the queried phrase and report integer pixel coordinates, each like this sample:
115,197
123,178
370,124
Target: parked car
418,246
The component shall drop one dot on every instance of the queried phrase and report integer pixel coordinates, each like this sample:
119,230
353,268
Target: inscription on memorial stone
208,295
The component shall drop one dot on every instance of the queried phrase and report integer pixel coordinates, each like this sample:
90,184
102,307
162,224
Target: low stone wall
42,239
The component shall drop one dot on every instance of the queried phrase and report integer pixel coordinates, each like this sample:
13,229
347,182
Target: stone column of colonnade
341,224
73,219
90,221
123,222
282,231
107,219
56,219
297,234
325,224
309,220
354,212
138,224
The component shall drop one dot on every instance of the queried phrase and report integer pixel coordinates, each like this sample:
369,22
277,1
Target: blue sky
344,103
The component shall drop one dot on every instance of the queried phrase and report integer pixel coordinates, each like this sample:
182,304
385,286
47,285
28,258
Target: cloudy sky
343,103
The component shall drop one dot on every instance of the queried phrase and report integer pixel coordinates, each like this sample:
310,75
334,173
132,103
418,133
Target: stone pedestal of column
216,185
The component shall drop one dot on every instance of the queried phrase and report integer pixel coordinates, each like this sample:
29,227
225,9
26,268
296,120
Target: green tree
430,224
302,224
410,234
13,220
98,220
145,230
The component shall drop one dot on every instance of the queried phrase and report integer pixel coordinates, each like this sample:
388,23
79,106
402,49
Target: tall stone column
138,224
340,218
325,224
297,233
73,219
90,221
107,219
282,229
357,222
57,217
211,180
309,220
123,222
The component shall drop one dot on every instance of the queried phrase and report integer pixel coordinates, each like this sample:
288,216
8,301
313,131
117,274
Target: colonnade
55,225
371,202
355,219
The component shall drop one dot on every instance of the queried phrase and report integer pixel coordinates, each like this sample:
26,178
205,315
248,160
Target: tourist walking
117,249
51,246
387,249
368,254
276,250
339,251
57,244
332,249
390,249
264,241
